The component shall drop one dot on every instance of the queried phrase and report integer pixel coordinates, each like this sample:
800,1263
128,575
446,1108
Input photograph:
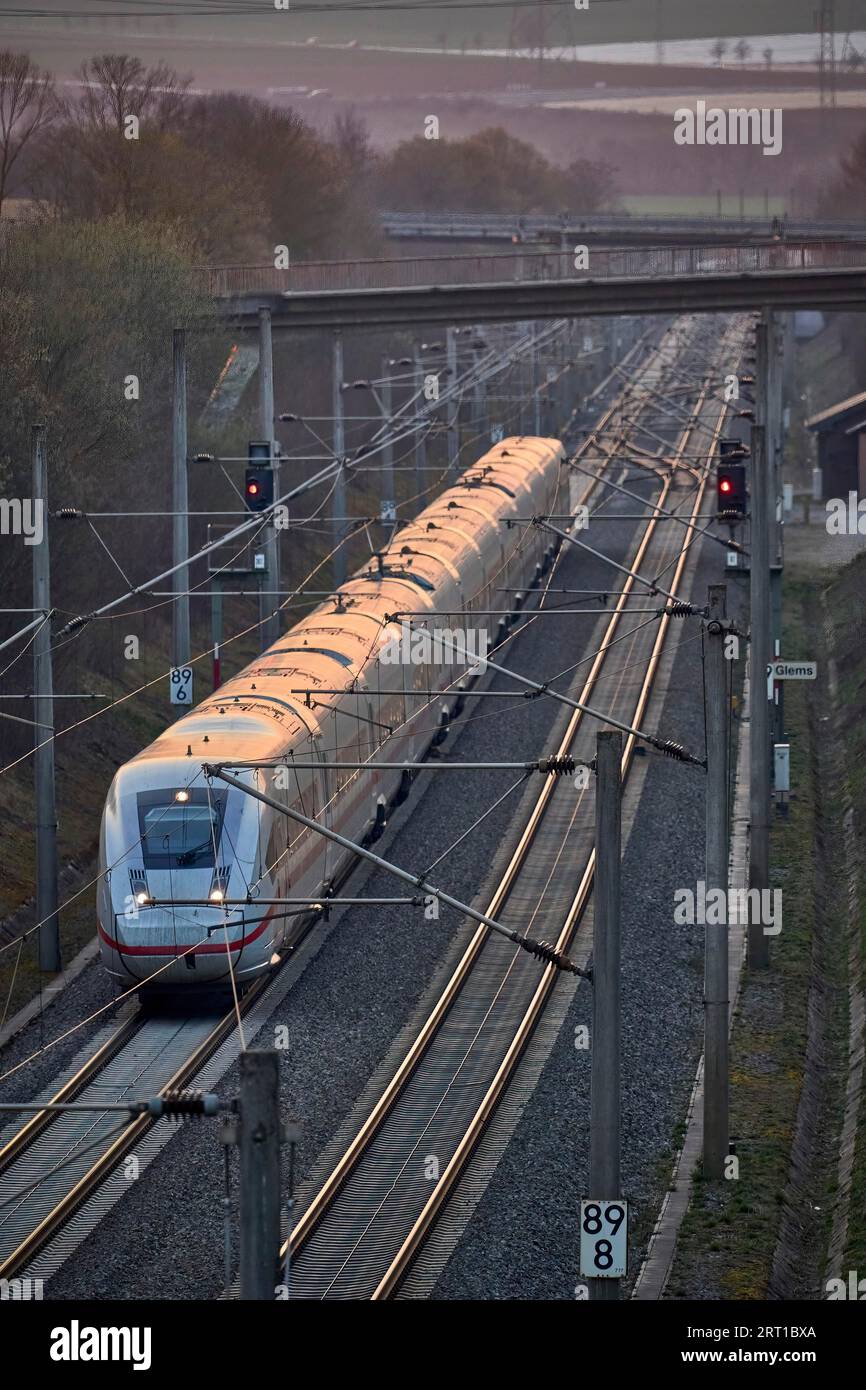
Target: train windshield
180,830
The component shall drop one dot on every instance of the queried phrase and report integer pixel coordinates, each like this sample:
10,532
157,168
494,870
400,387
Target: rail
364,1225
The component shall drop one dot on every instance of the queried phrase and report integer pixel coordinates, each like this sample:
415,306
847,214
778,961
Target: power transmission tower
660,32
825,19
540,29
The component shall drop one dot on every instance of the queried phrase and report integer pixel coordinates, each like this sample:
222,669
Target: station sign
779,670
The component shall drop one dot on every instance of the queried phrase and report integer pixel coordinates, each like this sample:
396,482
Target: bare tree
123,108
768,57
27,105
116,85
718,50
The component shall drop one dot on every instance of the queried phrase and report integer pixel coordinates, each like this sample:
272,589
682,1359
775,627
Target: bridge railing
533,224
405,272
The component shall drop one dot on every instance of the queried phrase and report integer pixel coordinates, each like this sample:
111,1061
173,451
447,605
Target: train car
189,867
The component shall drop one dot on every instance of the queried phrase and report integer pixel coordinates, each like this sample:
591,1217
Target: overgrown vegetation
729,1239
490,172
235,176
845,196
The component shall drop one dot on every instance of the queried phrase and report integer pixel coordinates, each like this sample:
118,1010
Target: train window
179,834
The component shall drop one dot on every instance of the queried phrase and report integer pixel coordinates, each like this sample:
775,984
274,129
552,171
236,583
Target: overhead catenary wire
253,626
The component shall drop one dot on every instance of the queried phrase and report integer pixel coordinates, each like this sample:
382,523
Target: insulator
545,950
673,750
75,623
556,766
184,1102
679,609
68,513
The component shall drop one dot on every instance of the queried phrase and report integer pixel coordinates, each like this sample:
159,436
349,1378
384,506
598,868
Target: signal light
259,480
731,490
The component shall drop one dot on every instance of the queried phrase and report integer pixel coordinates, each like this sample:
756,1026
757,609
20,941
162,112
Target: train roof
330,647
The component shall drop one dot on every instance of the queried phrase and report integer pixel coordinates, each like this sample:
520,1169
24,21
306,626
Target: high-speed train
189,867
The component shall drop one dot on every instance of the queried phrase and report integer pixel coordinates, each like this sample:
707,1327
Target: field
703,205
487,25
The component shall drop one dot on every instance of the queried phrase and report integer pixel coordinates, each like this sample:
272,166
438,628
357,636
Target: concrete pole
536,388
180,641
259,1144
604,1133
759,656
216,627
768,414
388,498
480,403
420,431
453,406
716,875
270,620
43,714
338,509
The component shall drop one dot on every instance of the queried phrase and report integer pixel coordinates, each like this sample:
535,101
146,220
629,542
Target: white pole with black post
268,605
480,393
387,498
259,1148
759,716
603,1225
43,714
716,874
452,406
180,638
421,429
338,508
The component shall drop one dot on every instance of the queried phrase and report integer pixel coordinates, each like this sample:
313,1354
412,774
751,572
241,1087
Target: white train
188,866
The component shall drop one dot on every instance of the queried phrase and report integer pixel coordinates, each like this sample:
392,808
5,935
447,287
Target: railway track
54,1162
360,1232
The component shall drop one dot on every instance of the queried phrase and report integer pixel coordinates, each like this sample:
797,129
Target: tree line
235,175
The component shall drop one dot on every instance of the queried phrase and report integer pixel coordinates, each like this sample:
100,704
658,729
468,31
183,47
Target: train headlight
142,899
217,895
181,796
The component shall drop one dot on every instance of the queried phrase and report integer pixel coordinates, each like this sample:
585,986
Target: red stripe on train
203,950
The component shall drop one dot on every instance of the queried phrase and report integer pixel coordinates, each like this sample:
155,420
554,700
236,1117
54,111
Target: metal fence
481,224
406,272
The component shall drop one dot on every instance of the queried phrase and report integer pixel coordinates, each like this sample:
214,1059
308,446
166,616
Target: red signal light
724,485
252,489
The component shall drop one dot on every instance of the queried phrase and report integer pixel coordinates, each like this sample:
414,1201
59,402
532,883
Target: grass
848,616
730,1232
623,21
